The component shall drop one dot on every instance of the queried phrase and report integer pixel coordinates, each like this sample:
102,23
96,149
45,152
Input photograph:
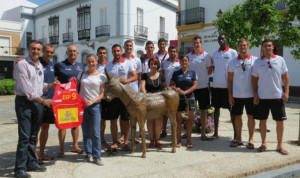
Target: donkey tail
187,104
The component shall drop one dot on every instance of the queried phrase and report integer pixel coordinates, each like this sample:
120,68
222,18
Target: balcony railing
54,39
163,35
68,37
103,30
43,41
140,32
281,5
191,16
84,34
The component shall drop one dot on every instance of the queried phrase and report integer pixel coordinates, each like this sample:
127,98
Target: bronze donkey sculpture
143,106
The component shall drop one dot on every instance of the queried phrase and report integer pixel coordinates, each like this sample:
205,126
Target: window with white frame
140,17
162,24
69,25
103,16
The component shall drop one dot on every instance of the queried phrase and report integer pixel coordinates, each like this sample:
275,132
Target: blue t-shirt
48,78
184,81
64,70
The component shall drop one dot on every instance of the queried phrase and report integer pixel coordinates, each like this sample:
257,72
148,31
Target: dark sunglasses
269,64
243,67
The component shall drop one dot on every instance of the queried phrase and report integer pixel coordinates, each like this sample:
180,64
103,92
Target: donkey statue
143,106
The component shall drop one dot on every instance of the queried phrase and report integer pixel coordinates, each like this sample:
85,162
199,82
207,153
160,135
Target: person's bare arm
230,86
286,83
254,81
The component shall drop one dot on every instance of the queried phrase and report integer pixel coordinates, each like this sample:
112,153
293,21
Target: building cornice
59,8
166,4
196,26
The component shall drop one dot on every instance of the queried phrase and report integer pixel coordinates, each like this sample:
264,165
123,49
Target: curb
254,170
7,98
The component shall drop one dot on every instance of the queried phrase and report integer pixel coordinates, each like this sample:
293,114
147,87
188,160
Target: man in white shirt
268,75
162,54
220,60
200,62
29,77
136,62
167,68
125,70
240,91
149,47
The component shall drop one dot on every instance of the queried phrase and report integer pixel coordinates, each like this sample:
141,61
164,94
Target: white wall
121,16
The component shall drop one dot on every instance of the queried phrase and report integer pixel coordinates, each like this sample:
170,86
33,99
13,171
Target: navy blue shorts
261,111
238,107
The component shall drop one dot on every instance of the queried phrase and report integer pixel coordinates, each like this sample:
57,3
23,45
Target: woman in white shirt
92,85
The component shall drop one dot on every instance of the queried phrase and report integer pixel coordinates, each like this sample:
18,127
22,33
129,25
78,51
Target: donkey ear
107,75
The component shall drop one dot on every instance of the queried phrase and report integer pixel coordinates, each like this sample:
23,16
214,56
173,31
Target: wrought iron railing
103,30
191,16
84,34
140,31
163,35
68,37
54,39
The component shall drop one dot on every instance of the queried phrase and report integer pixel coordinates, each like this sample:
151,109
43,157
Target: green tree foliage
256,20
7,87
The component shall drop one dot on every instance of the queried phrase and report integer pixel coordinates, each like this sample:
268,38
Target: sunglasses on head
269,64
243,67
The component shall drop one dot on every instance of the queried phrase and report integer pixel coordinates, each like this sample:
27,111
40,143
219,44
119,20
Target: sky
39,2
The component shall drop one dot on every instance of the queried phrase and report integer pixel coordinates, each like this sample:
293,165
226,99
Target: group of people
239,79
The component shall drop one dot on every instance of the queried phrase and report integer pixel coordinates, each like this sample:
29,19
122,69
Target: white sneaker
99,161
88,158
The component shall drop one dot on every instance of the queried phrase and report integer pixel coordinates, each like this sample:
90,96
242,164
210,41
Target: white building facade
195,18
89,24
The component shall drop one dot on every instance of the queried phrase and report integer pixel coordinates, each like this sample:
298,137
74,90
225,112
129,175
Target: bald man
64,72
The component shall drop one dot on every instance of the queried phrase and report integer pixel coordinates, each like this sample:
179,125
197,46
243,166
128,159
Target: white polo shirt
136,62
101,68
220,61
145,66
169,67
161,57
199,64
242,87
120,69
269,78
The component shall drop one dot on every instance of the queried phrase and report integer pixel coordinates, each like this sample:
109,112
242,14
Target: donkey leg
173,121
133,121
141,122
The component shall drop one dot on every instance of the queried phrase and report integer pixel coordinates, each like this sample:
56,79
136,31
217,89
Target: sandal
80,151
262,148
282,151
189,145
126,148
110,149
60,155
47,158
104,143
40,162
235,143
158,144
151,145
204,137
250,146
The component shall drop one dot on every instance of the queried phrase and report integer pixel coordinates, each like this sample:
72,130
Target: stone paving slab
207,159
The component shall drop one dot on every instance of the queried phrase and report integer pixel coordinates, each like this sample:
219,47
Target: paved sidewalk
206,159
